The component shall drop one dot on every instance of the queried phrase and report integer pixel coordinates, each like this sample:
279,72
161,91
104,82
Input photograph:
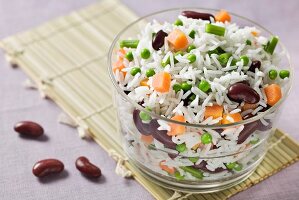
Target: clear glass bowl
157,156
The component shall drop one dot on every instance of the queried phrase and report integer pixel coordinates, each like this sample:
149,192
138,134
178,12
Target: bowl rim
196,125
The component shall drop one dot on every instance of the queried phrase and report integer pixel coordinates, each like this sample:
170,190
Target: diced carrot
198,145
236,117
176,129
215,111
248,106
255,33
121,53
166,168
147,139
119,65
273,94
161,82
144,82
222,16
177,40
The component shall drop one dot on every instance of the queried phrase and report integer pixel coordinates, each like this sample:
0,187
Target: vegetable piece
192,34
145,53
248,106
147,139
143,82
216,30
272,74
181,147
193,159
121,53
254,141
178,22
167,62
186,86
204,86
248,42
236,117
230,165
206,138
215,111
150,72
284,74
178,176
129,56
191,47
194,172
273,94
245,60
129,43
223,58
168,169
217,51
135,70
119,65
177,40
176,87
222,16
161,82
177,53
158,40
191,57
238,167
192,97
271,44
197,15
177,129
144,116
255,33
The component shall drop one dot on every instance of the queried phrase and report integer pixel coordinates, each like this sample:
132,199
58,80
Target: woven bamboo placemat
66,58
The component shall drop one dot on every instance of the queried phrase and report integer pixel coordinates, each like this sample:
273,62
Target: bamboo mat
66,58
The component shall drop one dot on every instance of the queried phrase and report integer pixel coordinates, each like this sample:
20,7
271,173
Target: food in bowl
202,69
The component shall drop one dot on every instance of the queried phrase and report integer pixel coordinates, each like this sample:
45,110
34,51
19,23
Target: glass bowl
204,167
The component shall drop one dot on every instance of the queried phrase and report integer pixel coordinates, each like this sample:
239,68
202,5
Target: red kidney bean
143,128
254,64
241,92
46,167
158,40
197,15
29,128
247,131
244,82
87,168
203,167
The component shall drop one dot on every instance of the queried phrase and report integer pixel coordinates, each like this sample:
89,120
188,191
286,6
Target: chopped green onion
245,60
129,56
176,87
284,74
191,57
204,86
150,72
178,22
192,34
216,30
135,70
181,147
193,159
248,42
194,172
223,58
272,74
145,53
191,47
271,44
186,86
206,138
129,43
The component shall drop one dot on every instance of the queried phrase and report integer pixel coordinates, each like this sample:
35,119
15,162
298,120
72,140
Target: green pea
272,74
150,72
178,22
176,87
254,141
144,116
191,57
129,56
178,176
204,86
234,62
181,147
238,167
135,70
230,165
223,58
245,60
193,159
192,34
194,172
192,97
186,86
217,51
191,47
206,138
145,53
248,42
284,74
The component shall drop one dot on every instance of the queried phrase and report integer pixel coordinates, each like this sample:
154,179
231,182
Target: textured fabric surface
19,154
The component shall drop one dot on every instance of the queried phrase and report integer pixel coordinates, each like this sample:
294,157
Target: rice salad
200,69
